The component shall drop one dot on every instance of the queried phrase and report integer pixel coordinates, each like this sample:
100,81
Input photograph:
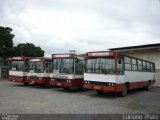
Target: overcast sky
82,25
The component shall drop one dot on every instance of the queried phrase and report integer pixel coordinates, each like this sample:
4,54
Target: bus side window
134,64
144,68
152,67
127,63
149,67
140,65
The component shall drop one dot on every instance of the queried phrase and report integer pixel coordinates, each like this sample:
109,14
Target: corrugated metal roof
147,46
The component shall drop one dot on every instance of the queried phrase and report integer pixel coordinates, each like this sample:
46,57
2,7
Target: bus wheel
42,85
66,88
25,84
99,92
124,90
148,87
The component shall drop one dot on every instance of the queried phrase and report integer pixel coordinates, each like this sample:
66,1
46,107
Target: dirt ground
17,98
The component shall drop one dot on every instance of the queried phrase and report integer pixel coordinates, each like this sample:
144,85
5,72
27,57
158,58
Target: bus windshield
36,67
18,65
101,65
56,65
67,66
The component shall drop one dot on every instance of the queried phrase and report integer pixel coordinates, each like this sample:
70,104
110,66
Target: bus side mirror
46,64
76,60
119,61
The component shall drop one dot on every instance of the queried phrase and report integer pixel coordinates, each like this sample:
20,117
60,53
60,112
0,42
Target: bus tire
66,88
124,91
99,92
148,87
42,85
25,84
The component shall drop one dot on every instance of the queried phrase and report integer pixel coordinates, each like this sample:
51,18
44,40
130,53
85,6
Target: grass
137,106
141,106
157,108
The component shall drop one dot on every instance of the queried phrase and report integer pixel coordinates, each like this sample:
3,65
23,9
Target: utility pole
21,50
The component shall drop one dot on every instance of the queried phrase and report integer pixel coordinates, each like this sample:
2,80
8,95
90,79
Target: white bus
39,71
108,71
67,71
18,69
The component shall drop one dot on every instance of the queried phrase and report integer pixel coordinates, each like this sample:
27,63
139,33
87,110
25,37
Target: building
149,52
1,65
4,68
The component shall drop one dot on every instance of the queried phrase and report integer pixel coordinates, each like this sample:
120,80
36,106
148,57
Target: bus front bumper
38,81
78,83
63,84
17,79
115,88
51,82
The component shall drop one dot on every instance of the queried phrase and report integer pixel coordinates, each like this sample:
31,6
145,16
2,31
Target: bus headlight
52,79
87,82
40,78
110,84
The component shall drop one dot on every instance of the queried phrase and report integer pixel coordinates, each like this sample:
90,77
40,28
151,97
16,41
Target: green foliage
27,49
137,106
6,42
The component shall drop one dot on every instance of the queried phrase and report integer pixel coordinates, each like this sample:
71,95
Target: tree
6,41
27,49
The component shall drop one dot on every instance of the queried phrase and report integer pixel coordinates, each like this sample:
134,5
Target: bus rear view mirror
46,65
119,61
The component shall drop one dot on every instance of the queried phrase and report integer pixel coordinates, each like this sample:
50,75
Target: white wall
157,79
0,72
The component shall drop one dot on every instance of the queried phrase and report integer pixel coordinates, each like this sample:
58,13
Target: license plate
97,87
33,81
59,84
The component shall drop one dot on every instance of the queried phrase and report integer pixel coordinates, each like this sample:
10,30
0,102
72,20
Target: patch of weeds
137,106
156,107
